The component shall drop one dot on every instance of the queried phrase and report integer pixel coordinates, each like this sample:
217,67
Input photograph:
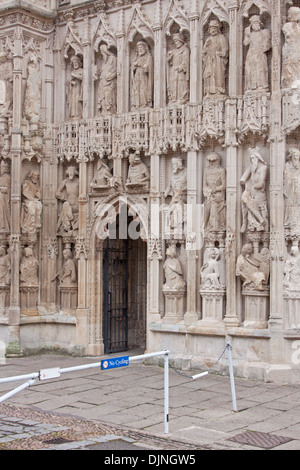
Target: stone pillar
192,236
277,159
14,347
82,312
231,318
159,53
154,244
122,86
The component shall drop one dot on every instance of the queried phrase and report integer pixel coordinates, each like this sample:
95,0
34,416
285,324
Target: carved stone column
231,318
277,153
192,226
14,348
154,243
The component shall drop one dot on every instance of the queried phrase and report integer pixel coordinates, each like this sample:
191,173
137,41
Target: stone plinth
213,302
292,309
256,308
174,304
29,299
68,298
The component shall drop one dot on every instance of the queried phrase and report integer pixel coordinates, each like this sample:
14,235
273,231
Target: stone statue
138,173
210,271
248,267
178,71
142,77
256,65
173,270
254,198
32,100
214,187
291,190
31,205
6,85
29,268
290,50
68,191
215,58
103,177
107,88
291,279
178,181
75,88
68,276
5,187
5,267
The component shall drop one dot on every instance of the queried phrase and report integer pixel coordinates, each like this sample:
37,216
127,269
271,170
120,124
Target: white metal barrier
56,372
232,384
109,363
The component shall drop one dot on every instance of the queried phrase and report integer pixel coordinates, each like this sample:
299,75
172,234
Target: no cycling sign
114,362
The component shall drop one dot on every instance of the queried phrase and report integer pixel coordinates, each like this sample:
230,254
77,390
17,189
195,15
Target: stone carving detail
141,77
103,177
256,65
291,191
253,269
29,268
178,71
254,198
291,279
215,58
290,50
32,100
5,267
67,275
178,180
107,86
5,185
214,186
75,88
138,173
31,205
173,270
6,85
68,192
211,273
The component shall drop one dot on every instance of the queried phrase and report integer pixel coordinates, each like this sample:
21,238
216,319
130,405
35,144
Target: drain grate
260,439
57,440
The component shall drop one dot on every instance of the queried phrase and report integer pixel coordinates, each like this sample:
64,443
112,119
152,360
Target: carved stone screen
173,125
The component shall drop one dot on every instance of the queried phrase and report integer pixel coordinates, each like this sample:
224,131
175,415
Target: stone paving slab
131,400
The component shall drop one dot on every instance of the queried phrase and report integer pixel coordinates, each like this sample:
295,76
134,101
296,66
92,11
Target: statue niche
74,87
68,192
215,58
258,41
106,76
178,71
141,77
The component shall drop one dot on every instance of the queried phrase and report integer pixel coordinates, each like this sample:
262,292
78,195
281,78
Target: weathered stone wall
186,111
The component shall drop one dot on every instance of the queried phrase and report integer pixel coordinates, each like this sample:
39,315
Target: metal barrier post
231,377
166,391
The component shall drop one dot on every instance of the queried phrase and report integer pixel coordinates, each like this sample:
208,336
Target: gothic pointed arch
176,15
215,8
103,33
140,24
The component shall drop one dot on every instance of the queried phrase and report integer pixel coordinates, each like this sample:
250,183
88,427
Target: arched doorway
124,287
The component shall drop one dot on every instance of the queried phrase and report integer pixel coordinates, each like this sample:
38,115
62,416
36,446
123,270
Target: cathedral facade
148,195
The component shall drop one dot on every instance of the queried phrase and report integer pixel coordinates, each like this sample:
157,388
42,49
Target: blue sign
114,362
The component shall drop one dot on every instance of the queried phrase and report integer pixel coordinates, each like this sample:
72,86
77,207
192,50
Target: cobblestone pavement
124,409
